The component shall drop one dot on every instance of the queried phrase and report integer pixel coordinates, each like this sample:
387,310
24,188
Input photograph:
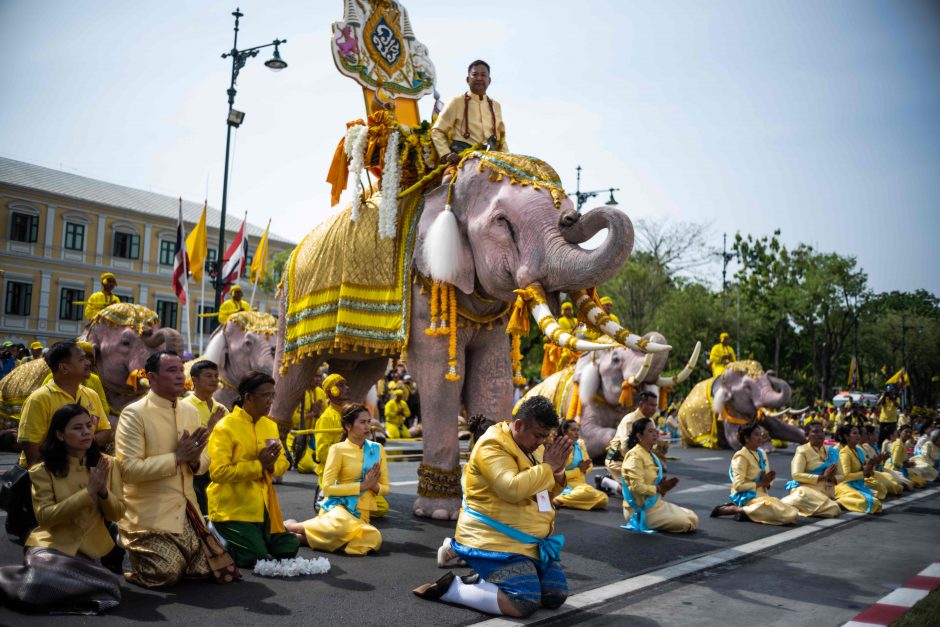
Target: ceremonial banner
180,278
197,247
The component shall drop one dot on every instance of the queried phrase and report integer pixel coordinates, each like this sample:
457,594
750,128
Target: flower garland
356,138
452,348
294,567
435,308
391,178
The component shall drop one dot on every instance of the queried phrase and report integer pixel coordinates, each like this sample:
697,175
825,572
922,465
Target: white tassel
588,384
355,148
293,567
718,402
391,177
442,247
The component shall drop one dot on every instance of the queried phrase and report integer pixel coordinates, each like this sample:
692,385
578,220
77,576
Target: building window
19,298
74,236
24,227
167,252
126,245
209,323
68,310
126,299
166,309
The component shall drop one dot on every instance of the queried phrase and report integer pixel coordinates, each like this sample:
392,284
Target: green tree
272,275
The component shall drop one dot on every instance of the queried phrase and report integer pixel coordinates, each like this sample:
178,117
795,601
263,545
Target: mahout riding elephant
602,386
244,342
490,246
717,407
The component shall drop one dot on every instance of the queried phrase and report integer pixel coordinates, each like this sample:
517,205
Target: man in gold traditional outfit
160,445
721,355
233,305
470,119
99,300
504,529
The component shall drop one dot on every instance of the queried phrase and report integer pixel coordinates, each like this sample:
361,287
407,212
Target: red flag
233,263
181,261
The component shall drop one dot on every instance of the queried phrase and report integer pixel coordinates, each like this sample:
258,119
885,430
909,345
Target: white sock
479,596
610,484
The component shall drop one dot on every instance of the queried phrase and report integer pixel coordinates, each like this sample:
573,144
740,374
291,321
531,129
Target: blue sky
817,118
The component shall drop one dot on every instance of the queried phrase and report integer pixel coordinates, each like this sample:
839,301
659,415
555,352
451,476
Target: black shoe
472,579
434,591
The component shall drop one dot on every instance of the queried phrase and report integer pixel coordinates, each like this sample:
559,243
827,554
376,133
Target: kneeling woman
750,480
927,460
75,490
578,494
813,471
644,488
245,457
852,493
356,473
900,461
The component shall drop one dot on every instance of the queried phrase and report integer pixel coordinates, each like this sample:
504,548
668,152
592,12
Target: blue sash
637,522
549,548
741,498
576,457
859,484
371,454
832,457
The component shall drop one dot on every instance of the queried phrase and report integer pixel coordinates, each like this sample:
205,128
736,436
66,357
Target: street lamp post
581,197
234,120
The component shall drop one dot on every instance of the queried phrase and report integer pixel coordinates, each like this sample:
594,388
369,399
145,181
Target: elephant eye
503,220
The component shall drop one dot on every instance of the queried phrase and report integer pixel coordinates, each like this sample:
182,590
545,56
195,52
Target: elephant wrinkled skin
244,342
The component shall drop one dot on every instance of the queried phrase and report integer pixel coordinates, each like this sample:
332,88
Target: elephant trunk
570,267
773,391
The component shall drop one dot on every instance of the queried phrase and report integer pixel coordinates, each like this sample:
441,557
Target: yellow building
60,231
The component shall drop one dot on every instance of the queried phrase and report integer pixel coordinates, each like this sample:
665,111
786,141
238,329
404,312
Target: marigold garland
432,328
452,349
444,316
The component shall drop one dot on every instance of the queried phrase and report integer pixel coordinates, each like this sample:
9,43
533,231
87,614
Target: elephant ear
443,251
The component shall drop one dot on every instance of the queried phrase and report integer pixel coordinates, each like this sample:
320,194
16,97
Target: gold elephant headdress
131,315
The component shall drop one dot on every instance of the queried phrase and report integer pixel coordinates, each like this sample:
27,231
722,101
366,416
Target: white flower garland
356,139
391,177
294,567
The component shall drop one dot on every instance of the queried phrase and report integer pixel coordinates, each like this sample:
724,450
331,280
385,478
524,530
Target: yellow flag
899,378
260,259
196,247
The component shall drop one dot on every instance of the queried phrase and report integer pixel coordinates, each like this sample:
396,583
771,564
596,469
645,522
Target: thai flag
233,264
181,261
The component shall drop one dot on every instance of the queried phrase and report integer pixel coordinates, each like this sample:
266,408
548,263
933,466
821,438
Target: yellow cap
331,382
607,300
36,346
724,336
567,305
108,275
236,288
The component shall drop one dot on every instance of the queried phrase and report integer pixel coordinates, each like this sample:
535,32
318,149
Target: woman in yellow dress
882,482
751,478
578,494
76,491
356,473
852,492
814,468
927,459
900,459
645,487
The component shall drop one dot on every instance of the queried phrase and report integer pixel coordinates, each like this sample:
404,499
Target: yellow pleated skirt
667,517
338,528
853,500
887,481
767,510
810,501
582,496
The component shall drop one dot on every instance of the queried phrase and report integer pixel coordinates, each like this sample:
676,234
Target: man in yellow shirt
233,305
302,445
396,410
470,119
160,446
505,526
205,377
99,300
888,416
721,355
329,427
69,368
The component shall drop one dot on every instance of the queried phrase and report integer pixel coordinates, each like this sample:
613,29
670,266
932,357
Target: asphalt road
376,589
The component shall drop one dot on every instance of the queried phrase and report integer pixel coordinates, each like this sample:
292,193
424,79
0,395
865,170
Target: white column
145,266
99,244
50,228
45,284
143,296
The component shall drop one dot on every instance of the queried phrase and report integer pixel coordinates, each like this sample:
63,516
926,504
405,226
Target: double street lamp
581,197
235,118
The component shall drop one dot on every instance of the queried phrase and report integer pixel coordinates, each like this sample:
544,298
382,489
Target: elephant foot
437,508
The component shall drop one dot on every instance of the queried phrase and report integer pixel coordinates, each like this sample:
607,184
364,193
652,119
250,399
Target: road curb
894,605
607,593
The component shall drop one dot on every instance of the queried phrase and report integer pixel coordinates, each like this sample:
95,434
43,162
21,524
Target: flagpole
202,299
189,334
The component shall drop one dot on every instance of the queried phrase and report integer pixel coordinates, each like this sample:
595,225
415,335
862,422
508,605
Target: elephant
601,387
717,407
506,237
123,336
244,342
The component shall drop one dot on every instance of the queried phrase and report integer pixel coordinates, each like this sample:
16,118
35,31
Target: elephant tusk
601,321
768,414
640,375
558,336
669,382
798,411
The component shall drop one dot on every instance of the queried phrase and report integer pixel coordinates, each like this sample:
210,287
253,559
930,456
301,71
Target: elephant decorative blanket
348,289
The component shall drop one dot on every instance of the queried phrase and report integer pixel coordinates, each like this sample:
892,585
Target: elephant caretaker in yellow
99,300
721,355
233,305
470,119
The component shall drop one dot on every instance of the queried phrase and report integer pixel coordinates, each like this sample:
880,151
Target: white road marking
931,571
606,594
709,459
402,483
705,487
904,597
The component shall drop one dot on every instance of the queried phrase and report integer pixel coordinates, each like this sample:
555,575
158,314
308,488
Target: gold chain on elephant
438,484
